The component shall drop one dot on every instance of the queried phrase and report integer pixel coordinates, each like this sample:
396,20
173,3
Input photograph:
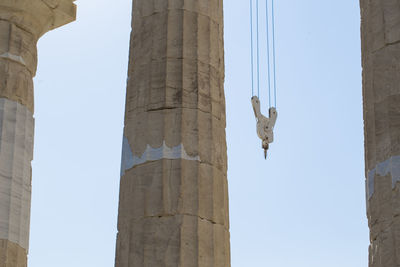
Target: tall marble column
22,23
173,208
380,32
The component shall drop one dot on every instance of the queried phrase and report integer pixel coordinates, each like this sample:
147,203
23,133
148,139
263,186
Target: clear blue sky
303,207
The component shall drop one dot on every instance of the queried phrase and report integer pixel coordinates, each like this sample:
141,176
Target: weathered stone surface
38,16
173,211
16,153
176,240
12,255
18,61
381,94
22,22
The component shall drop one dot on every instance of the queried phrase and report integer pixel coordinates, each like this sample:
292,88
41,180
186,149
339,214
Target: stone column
173,208
381,94
22,22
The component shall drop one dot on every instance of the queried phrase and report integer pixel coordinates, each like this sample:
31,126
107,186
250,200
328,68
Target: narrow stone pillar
380,30
173,208
22,22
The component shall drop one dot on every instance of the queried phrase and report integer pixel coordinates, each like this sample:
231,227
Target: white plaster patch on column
13,57
16,153
395,169
127,156
390,166
129,160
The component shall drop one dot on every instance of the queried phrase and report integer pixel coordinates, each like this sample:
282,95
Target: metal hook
265,126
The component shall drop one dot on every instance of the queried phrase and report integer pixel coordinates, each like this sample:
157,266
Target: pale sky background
303,207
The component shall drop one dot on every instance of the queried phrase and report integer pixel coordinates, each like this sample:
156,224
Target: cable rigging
265,125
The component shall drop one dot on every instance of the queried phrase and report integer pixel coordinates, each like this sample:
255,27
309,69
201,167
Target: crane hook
265,126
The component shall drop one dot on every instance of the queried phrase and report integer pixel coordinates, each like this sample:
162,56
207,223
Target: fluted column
22,22
173,208
381,94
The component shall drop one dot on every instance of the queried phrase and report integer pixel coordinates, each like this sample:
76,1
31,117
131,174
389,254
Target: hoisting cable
273,48
252,48
268,49
258,54
265,125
